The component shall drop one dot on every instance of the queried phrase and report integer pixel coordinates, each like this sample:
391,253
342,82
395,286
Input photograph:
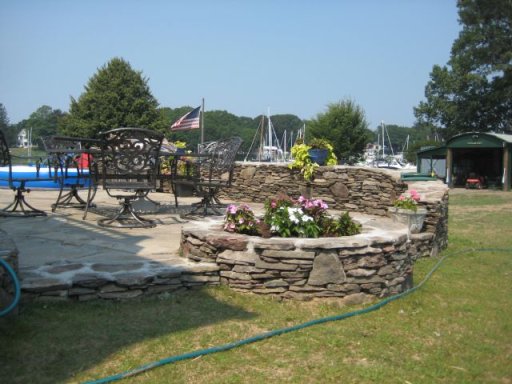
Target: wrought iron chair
129,171
74,158
19,207
214,167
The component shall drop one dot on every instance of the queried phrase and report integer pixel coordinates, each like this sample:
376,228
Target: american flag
187,121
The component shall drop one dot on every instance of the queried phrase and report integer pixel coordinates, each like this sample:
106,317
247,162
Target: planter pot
183,190
405,216
318,155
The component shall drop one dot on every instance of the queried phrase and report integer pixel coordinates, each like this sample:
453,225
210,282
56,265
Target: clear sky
243,56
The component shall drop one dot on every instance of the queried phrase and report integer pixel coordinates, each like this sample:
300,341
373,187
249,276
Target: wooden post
506,168
449,166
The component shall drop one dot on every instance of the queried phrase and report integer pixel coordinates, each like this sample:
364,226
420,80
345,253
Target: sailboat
268,147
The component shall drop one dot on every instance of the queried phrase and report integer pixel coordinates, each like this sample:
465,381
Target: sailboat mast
284,145
269,131
262,138
383,138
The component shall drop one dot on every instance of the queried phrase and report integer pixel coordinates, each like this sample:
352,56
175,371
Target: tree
474,91
345,126
116,96
9,132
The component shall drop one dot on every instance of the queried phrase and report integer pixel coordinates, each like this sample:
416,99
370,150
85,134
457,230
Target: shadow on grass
51,343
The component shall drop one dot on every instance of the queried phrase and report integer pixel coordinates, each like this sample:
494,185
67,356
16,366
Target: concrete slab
64,237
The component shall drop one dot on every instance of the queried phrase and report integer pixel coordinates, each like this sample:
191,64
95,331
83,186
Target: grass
23,152
456,329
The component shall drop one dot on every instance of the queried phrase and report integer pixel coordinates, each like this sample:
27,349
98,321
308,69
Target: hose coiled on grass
266,335
17,290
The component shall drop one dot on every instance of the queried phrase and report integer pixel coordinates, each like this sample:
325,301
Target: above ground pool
30,172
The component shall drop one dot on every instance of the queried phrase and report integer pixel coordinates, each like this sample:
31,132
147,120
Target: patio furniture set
125,162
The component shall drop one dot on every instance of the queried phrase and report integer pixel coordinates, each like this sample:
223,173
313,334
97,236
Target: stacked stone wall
362,265
345,188
89,281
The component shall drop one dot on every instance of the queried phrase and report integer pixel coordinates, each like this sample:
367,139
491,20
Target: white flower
306,218
294,215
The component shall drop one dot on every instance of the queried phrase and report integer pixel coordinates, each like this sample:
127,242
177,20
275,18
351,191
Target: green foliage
341,226
344,124
9,133
474,91
302,161
116,96
44,122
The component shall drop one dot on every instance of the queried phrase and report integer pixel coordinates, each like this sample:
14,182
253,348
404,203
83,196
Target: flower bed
286,217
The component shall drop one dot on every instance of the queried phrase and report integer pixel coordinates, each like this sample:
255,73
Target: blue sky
243,56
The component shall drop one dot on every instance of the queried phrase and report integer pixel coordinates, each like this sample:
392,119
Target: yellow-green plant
302,161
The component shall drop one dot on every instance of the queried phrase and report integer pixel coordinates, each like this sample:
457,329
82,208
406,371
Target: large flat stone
327,268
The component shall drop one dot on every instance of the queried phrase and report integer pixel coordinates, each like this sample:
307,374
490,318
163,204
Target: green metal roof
479,140
434,152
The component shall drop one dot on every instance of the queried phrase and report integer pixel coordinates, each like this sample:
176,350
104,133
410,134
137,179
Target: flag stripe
187,121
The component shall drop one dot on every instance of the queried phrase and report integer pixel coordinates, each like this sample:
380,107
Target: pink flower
232,209
273,204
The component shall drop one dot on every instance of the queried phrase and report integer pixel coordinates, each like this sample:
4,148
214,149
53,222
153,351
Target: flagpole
202,121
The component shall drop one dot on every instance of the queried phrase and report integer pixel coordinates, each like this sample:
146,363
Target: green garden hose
17,290
266,335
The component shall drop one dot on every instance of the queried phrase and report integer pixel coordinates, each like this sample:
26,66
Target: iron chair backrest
220,159
130,156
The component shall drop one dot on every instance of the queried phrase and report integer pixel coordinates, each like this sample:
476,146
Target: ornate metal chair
129,170
214,167
74,158
19,207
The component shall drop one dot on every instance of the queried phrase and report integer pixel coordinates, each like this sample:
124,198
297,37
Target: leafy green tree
43,122
9,131
345,126
116,96
474,91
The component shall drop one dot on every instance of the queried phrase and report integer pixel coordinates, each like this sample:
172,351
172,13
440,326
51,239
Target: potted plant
320,150
305,156
405,210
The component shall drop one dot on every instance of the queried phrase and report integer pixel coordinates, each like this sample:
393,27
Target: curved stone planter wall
377,262
353,189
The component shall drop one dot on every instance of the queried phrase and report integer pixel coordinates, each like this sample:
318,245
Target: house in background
23,139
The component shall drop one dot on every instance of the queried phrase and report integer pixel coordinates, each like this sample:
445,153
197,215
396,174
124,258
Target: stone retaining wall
356,189
377,262
89,281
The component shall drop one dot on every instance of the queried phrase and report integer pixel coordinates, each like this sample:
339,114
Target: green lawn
456,329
